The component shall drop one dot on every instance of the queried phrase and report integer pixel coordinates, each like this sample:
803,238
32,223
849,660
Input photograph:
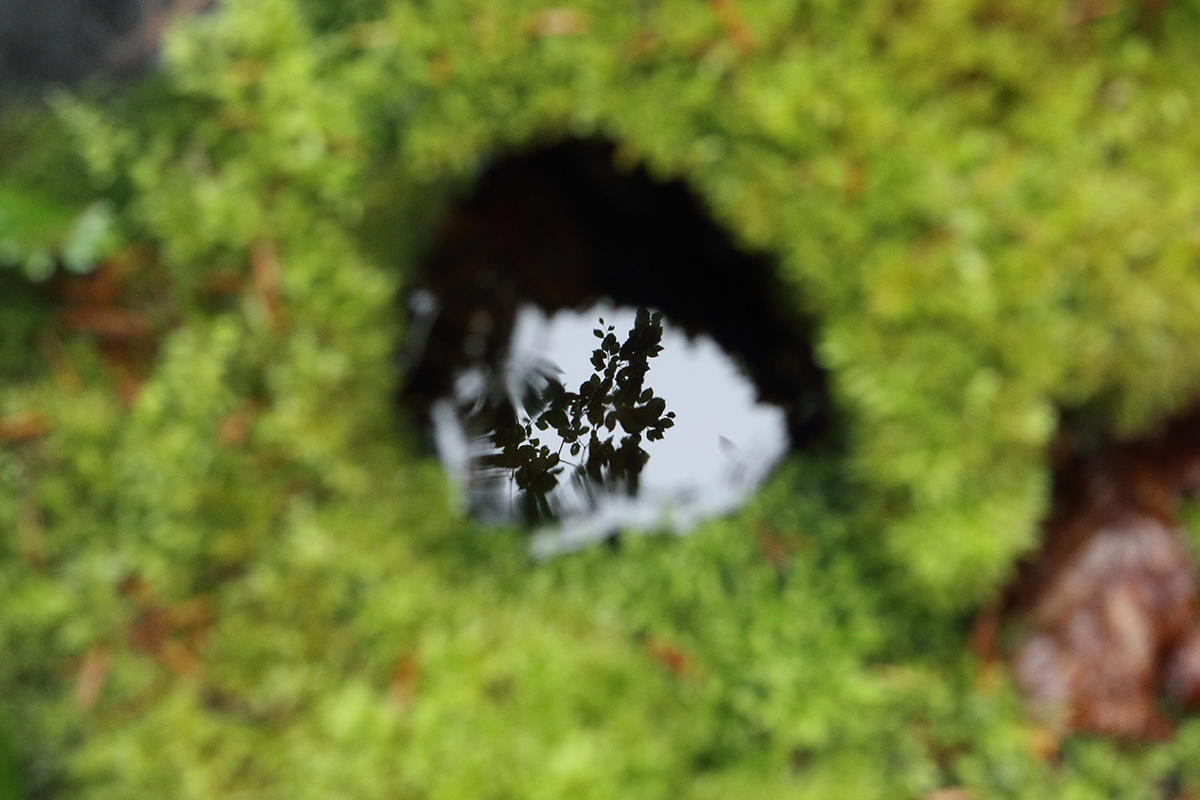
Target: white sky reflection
722,446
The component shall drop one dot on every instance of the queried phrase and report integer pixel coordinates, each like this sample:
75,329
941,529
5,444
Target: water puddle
592,354
602,420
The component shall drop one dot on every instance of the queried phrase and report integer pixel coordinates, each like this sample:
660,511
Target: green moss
988,207
50,214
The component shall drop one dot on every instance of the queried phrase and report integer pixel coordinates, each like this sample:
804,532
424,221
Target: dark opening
563,227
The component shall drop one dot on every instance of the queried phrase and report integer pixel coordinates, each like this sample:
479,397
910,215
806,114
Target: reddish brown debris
1104,625
105,322
112,308
735,26
234,428
1106,612
675,660
173,634
643,44
1183,671
22,427
405,677
1083,12
222,283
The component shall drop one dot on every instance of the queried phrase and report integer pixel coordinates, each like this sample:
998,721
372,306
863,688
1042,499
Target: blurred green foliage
50,213
9,790
990,206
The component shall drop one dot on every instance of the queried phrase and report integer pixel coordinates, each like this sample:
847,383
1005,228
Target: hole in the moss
702,369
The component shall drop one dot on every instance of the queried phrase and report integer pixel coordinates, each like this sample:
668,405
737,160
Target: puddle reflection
605,419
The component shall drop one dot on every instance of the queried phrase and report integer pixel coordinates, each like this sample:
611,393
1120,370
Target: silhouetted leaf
613,396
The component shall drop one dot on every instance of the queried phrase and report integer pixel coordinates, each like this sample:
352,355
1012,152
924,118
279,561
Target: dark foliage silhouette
587,423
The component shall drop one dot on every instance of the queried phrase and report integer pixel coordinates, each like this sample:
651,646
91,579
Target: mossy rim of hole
571,229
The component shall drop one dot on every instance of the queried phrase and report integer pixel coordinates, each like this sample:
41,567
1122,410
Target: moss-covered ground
228,569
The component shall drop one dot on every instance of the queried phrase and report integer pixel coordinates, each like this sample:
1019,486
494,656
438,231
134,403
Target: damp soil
553,240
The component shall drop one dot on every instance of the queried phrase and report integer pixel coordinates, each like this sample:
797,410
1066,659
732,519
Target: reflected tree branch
602,425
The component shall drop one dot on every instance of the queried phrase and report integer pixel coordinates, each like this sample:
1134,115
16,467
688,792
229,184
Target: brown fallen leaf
1101,629
1106,610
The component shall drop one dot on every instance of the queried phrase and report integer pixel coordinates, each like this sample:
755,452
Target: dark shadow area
25,311
561,228
65,42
